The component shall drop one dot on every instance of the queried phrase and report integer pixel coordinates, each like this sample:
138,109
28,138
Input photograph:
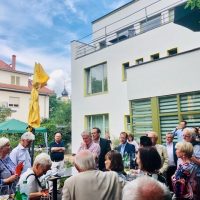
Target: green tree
4,113
193,4
59,120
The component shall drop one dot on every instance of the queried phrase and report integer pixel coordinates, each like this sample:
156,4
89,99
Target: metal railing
150,21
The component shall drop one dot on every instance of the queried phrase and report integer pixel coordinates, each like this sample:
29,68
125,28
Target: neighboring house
140,72
15,89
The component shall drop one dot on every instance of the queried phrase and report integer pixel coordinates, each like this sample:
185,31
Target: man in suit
171,152
104,146
126,149
90,183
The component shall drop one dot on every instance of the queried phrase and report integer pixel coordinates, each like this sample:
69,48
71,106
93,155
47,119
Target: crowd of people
130,171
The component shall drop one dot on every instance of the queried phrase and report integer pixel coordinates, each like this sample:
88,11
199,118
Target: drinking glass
48,197
4,192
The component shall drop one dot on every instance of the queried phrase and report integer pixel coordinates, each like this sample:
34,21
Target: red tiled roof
4,66
26,89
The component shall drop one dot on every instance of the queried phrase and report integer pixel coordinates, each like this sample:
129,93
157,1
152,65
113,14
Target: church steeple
65,95
64,92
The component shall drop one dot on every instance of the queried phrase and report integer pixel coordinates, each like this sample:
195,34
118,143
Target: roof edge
117,9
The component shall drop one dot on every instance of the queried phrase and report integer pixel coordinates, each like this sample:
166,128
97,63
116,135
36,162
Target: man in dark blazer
171,152
126,148
104,145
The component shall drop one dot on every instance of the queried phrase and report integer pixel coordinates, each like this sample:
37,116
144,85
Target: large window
141,116
14,102
162,114
101,121
97,79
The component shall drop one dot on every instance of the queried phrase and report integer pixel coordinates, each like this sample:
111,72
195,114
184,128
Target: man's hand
83,145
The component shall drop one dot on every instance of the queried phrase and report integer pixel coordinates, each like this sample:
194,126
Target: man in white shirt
20,153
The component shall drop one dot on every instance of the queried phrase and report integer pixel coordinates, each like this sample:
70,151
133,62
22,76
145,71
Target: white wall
173,75
5,77
21,113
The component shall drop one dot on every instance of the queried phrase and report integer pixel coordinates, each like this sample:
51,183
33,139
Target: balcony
112,35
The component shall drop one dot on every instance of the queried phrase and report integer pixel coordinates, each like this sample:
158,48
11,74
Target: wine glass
4,192
47,197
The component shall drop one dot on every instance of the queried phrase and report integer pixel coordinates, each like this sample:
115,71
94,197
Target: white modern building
15,89
138,71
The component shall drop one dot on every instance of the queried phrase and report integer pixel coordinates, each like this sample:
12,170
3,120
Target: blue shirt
122,149
56,156
20,154
179,134
7,169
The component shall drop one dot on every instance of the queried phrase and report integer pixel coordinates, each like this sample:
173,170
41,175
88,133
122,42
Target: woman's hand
11,179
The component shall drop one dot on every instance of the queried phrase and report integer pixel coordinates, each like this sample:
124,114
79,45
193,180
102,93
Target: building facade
15,89
139,72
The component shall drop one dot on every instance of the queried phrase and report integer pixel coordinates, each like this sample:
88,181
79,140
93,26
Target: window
142,116
172,52
124,72
14,102
124,34
15,80
101,121
166,114
171,15
155,56
127,123
150,23
97,79
102,44
139,61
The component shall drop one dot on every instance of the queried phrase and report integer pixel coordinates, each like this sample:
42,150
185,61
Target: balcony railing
150,21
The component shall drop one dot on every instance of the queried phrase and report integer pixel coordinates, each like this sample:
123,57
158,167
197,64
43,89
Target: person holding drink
127,151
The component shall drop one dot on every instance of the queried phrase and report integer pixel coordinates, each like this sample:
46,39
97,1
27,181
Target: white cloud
59,79
71,5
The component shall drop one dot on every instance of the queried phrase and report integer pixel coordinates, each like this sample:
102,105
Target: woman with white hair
182,179
7,167
41,165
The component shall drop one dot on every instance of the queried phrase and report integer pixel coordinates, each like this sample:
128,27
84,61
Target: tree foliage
193,4
4,113
59,120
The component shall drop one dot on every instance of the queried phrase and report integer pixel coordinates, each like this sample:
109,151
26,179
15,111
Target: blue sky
41,31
